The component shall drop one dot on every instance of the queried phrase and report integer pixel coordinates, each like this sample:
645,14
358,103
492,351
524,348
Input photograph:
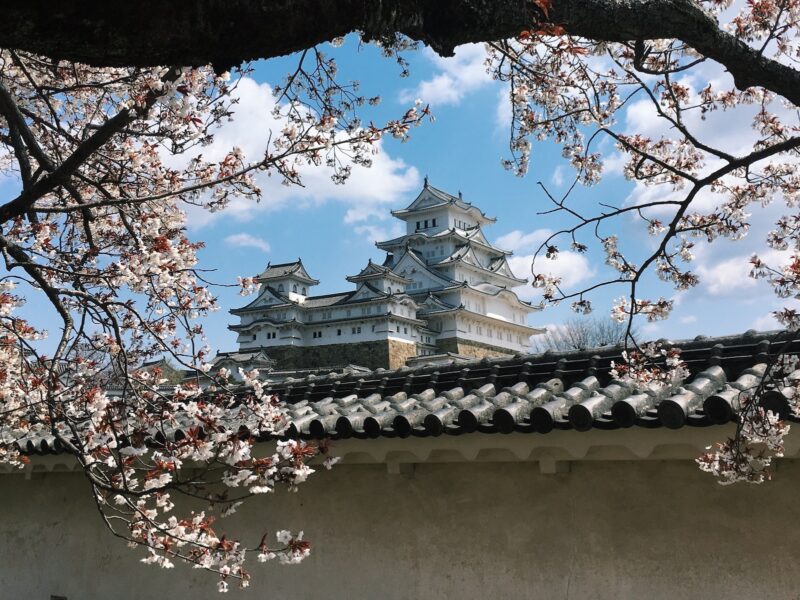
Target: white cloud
375,233
688,320
519,241
732,276
366,194
245,240
457,77
503,112
766,323
573,268
557,178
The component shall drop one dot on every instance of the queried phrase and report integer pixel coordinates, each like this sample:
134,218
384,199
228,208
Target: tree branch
227,33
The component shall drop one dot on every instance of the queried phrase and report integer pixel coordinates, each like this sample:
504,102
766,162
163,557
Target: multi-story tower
462,283
443,288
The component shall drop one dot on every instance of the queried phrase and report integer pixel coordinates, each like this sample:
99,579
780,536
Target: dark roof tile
527,393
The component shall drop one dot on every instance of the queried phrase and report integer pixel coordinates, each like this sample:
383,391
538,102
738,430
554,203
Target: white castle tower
442,289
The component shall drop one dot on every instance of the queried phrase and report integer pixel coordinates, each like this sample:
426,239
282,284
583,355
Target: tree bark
228,32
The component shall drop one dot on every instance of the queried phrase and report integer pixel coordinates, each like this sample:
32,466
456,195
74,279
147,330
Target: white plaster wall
478,330
605,530
439,215
304,336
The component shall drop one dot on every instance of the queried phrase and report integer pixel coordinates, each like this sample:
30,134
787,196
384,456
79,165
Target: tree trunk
228,32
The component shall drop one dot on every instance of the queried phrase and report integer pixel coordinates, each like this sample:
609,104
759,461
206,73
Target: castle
442,291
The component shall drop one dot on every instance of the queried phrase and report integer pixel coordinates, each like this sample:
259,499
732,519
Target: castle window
280,287
348,312
405,329
434,222
398,329
417,224
304,290
294,288
426,223
338,332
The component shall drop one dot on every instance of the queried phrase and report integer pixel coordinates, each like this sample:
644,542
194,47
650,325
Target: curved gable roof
410,255
292,269
430,198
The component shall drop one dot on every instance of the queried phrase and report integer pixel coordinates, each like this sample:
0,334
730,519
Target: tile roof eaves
519,326
501,395
249,308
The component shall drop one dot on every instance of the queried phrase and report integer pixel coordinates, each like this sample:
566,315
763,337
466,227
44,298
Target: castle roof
431,198
294,269
526,394
376,271
326,300
466,255
473,234
255,357
432,304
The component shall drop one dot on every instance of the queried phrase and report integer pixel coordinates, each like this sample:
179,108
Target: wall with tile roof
593,492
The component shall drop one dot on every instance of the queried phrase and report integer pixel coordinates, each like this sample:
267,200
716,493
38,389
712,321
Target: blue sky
333,228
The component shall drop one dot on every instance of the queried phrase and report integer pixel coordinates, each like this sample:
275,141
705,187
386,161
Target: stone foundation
471,348
399,352
388,354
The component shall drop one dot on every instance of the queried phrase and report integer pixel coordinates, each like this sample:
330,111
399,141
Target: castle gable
365,291
425,199
501,267
411,266
269,297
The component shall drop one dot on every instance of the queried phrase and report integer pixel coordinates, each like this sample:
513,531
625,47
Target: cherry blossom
576,92
98,231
